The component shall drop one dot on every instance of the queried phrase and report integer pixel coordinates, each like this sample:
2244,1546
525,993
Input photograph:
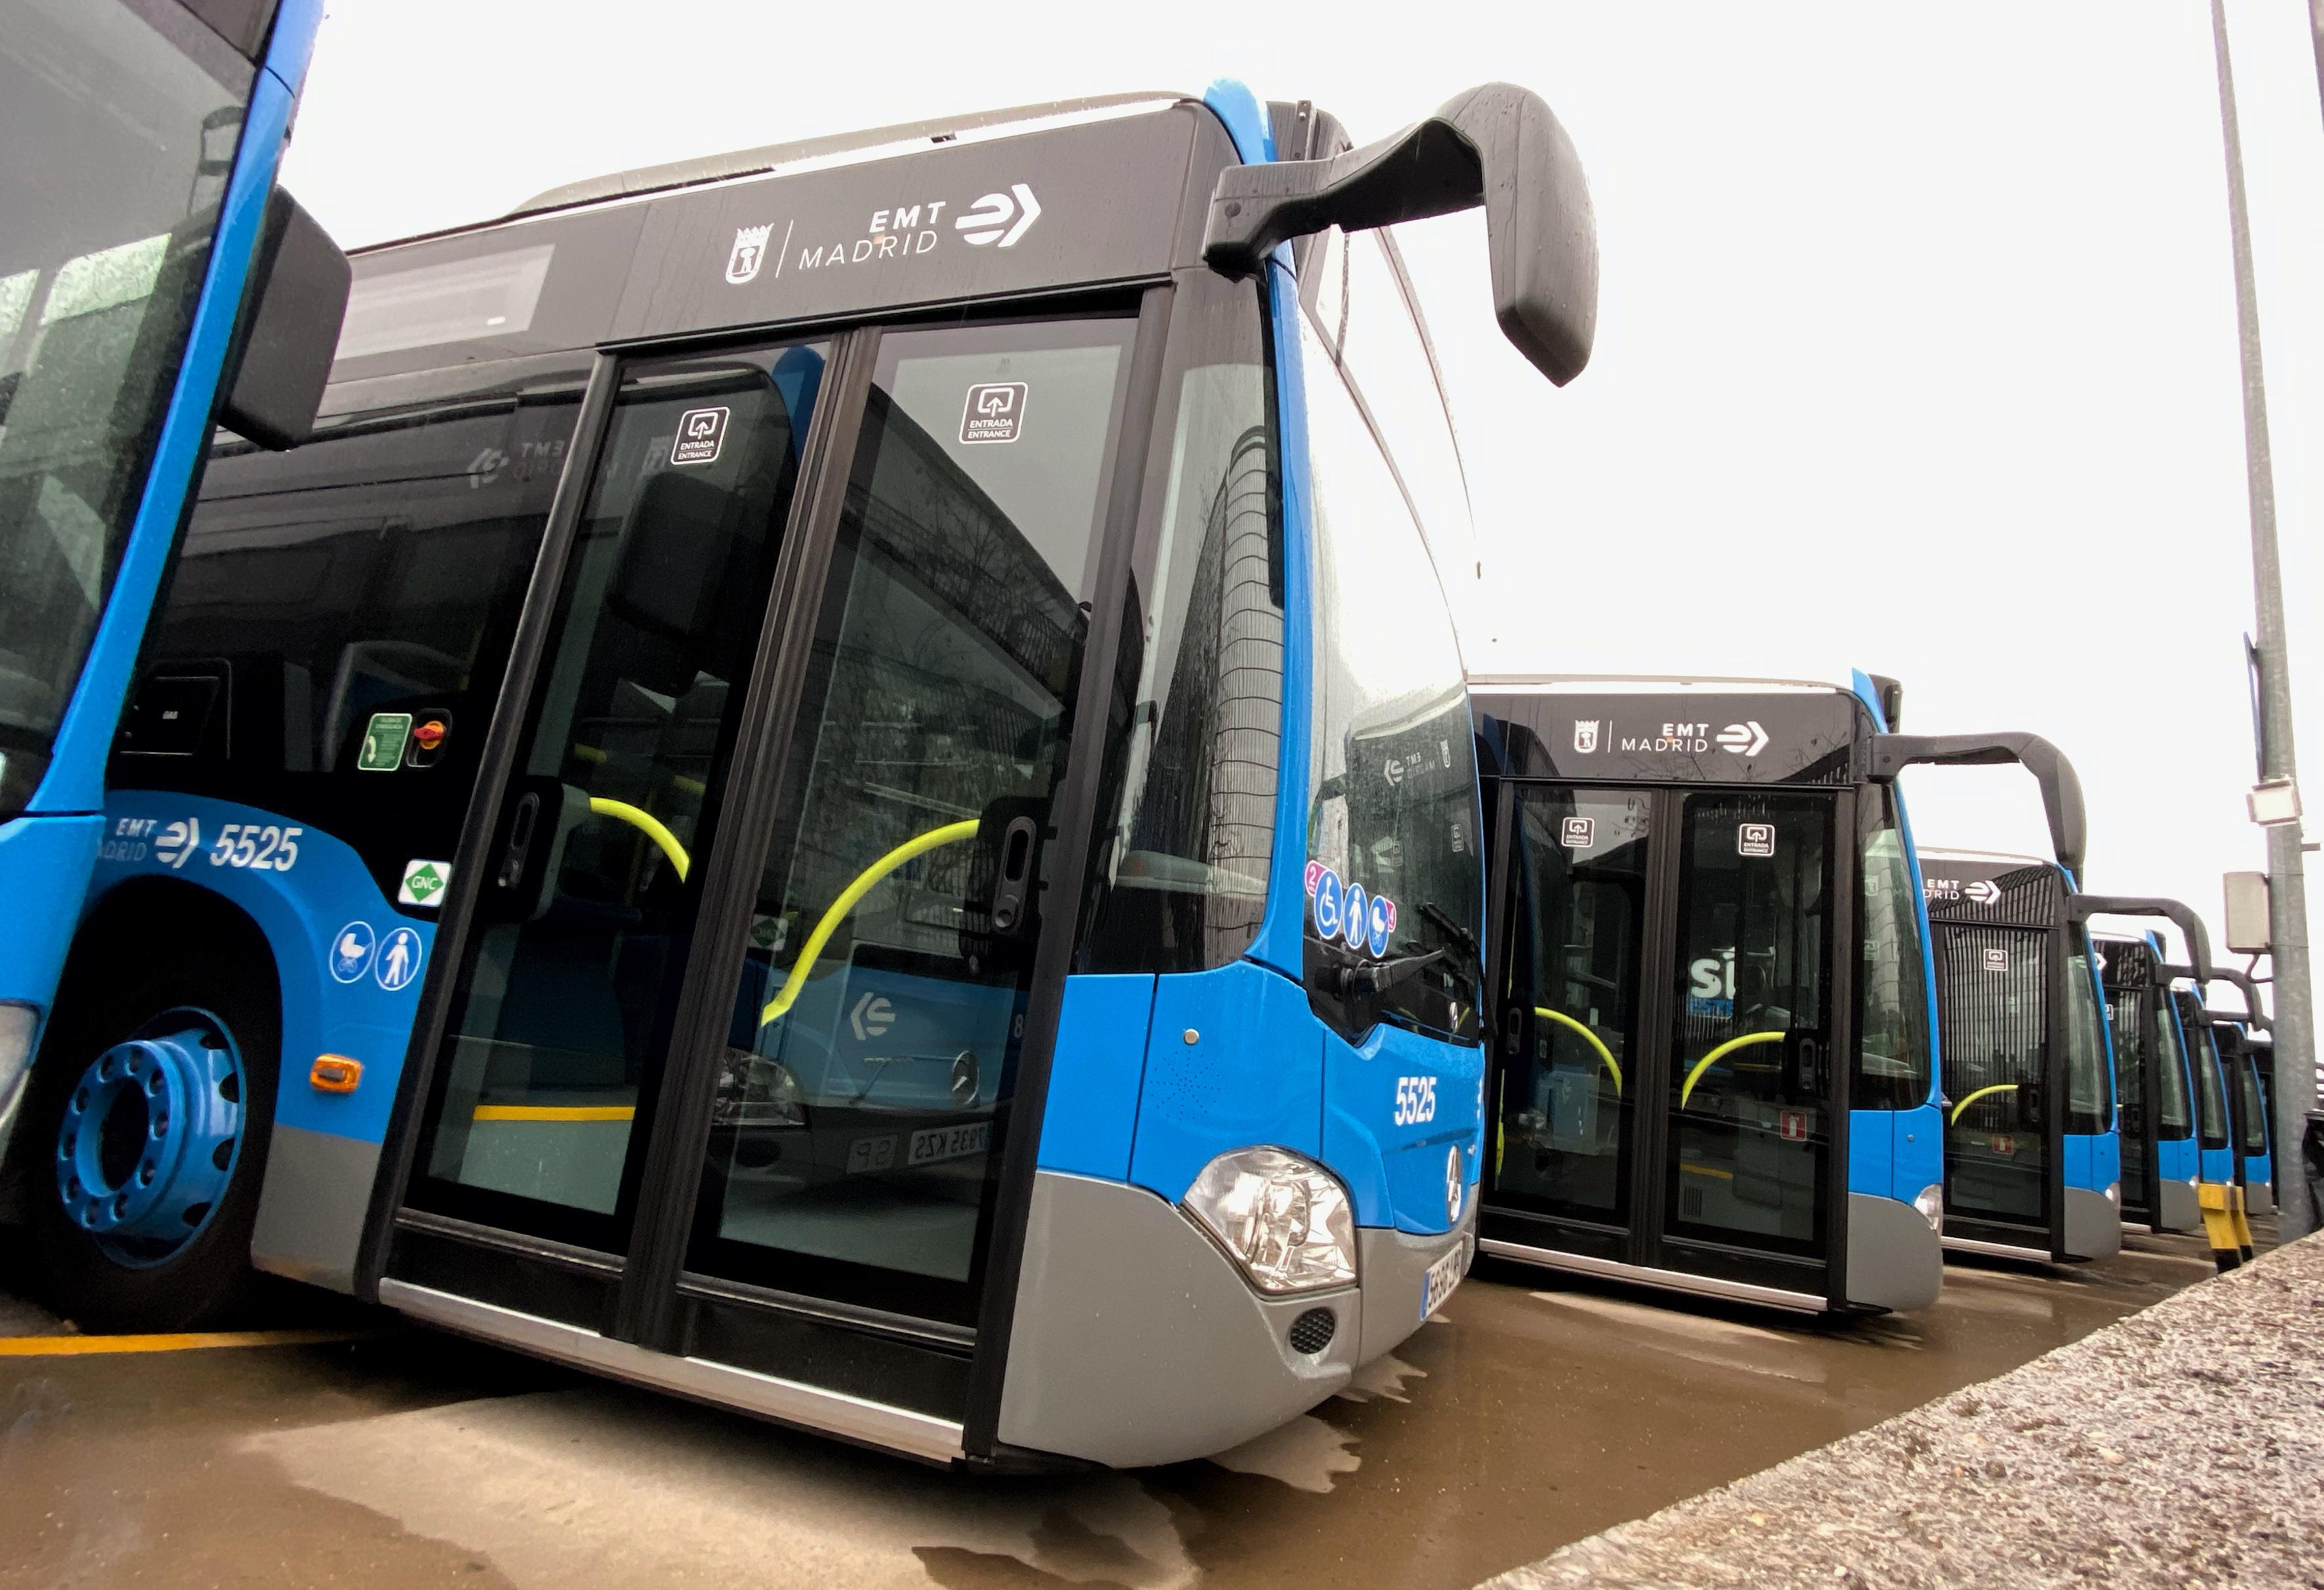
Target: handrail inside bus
1981,1092
646,823
1594,1041
1686,1090
949,834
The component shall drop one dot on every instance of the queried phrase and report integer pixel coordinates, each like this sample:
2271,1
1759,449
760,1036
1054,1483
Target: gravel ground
2182,1447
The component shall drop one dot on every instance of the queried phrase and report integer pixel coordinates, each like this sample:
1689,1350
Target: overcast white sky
1916,346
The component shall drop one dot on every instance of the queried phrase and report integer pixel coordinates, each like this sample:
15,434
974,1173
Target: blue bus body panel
1396,1108
1252,1073
1920,1150
2218,1164
44,869
332,1004
2175,1159
1095,1073
1872,1153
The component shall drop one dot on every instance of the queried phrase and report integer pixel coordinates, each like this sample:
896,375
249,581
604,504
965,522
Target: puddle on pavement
1518,1421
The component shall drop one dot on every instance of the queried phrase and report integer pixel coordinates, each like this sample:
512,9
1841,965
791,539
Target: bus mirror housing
1497,146
2081,908
288,331
1890,693
2255,1013
2062,787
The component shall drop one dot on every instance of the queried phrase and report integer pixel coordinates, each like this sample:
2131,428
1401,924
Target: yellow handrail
646,823
1595,1042
793,984
1972,1098
1702,1065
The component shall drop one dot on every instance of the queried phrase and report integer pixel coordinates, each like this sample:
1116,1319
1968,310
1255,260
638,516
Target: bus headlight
1285,1220
2114,1193
1930,1202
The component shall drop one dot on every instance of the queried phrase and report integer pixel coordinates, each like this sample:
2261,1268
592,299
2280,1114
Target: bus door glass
562,1009
878,1006
1749,1089
1996,1061
1570,1067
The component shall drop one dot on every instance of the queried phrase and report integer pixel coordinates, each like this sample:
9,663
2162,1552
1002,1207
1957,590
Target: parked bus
2160,1168
153,282
2226,1215
789,803
1715,1062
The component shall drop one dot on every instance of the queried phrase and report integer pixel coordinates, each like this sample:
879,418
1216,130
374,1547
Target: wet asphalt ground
1535,1411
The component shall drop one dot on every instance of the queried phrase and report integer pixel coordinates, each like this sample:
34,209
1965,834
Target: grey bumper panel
1136,1340
2093,1225
2178,1209
2259,1199
1895,1259
311,1209
1393,1269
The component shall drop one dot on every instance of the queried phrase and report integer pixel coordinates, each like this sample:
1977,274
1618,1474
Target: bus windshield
1892,996
120,125
2089,1095
2172,1111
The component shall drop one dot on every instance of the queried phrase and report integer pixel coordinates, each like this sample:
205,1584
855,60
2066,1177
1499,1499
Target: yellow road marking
58,1347
554,1112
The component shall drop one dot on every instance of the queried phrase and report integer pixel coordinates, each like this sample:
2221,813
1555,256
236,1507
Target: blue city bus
2218,1128
2034,1147
2160,1155
153,282
1714,1066
839,783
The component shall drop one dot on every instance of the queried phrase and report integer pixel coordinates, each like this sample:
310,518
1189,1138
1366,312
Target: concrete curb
2183,1446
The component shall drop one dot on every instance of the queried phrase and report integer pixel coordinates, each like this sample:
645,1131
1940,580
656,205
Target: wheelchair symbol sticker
399,960
1328,902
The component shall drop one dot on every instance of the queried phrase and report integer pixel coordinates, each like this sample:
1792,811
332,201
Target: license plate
949,1143
1437,1285
870,1154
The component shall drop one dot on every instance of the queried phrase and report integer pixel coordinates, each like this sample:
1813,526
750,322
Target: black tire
206,1282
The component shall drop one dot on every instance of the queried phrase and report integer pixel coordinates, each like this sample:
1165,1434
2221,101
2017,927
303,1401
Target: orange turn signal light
334,1074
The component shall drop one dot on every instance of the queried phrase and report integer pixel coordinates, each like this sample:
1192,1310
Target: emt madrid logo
749,253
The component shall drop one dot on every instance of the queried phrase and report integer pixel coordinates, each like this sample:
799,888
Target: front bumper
1137,1341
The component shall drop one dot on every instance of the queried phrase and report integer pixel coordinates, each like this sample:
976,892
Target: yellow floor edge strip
58,1347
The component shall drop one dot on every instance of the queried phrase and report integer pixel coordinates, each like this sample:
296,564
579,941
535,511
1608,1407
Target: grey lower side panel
1137,1342
2093,1225
1894,1259
767,1395
310,1212
1997,1250
1392,1267
1708,1286
2259,1199
2178,1210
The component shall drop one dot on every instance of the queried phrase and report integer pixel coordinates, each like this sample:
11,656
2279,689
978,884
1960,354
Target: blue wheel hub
151,1135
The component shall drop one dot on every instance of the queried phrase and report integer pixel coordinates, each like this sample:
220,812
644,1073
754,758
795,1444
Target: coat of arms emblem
1585,735
749,253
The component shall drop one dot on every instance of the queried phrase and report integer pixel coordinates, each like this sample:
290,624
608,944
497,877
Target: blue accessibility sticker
399,960
1382,923
351,952
1353,928
1328,901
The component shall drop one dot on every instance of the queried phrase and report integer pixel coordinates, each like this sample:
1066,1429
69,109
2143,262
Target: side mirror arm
2062,787
2081,908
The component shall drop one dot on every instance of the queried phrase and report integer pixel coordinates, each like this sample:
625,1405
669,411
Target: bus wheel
154,1129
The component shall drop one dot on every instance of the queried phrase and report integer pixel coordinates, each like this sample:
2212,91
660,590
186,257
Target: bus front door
733,1036
1666,1097
2001,1139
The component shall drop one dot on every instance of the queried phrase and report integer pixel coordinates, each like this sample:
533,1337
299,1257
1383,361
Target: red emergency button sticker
429,735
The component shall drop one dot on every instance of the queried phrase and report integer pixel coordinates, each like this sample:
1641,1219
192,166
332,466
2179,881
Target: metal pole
2295,1065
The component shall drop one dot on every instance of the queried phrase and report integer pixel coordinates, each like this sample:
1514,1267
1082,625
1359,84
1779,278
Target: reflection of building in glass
1217,738
946,677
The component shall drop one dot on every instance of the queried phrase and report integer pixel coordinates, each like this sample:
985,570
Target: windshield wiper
1450,925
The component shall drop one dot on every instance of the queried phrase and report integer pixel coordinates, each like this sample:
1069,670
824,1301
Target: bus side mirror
1497,146
288,331
2062,787
2081,908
